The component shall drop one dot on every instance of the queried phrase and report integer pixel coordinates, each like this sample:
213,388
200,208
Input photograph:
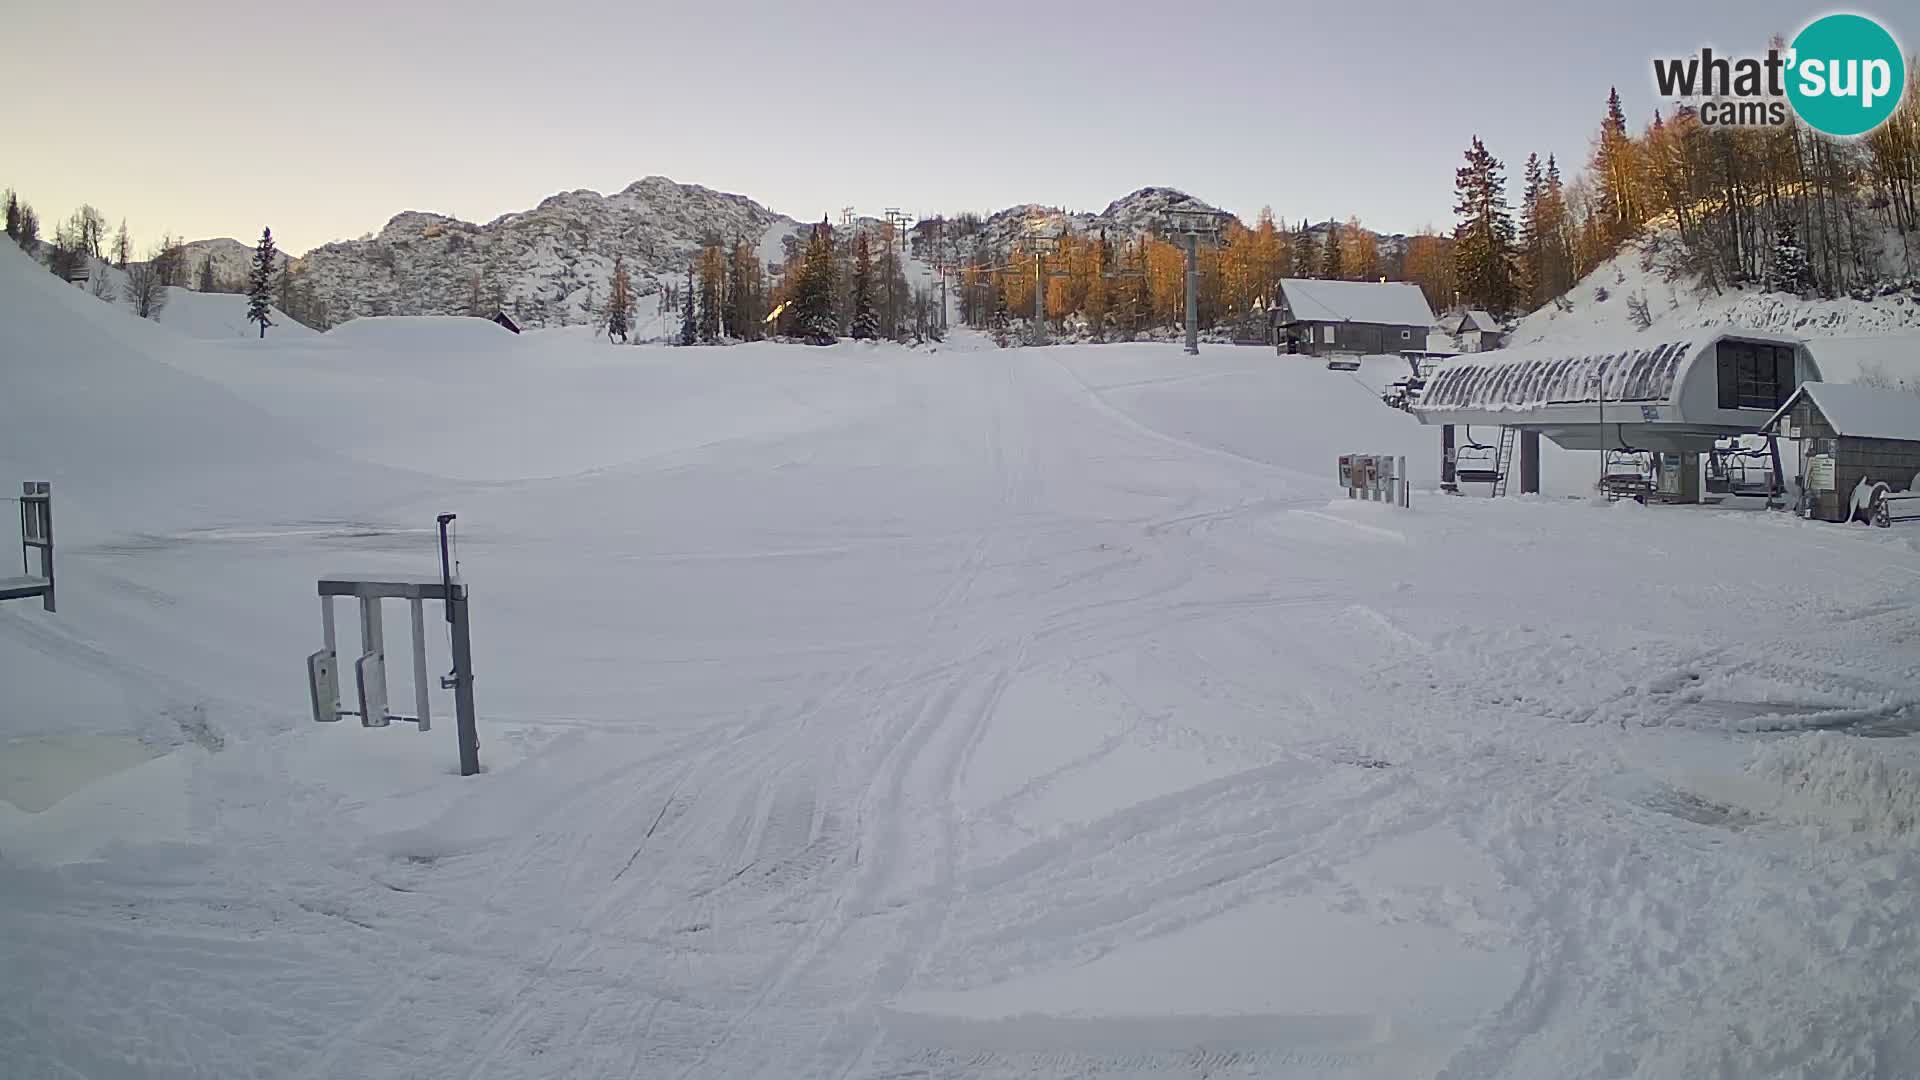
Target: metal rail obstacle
370,670
36,531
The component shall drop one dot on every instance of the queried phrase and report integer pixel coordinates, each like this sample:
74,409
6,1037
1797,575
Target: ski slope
877,712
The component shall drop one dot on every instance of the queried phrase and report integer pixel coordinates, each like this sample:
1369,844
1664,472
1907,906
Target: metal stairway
1504,463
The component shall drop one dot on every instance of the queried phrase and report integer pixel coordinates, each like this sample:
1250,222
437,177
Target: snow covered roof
1531,378
1861,412
1479,320
1389,303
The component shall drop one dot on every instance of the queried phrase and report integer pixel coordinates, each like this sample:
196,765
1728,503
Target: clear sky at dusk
213,117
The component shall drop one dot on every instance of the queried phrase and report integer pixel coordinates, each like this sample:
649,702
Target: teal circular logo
1846,74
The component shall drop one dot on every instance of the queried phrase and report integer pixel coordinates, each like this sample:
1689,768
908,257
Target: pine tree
619,301
1332,263
866,324
712,297
260,283
203,281
689,322
813,295
13,216
1532,268
1613,171
1483,241
122,246
1556,235
1789,272
1304,257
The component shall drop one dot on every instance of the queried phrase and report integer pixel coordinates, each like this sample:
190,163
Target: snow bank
1870,786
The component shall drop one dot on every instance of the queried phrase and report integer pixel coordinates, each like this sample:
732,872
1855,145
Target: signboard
1820,472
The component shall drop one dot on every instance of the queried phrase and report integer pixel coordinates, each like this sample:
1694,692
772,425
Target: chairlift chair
1476,463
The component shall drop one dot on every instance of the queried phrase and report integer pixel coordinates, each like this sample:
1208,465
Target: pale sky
214,117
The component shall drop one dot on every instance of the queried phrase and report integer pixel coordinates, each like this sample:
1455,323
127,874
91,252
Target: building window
1754,376
1406,335
1326,335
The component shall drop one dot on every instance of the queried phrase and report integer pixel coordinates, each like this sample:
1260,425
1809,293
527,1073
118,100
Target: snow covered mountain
232,260
551,265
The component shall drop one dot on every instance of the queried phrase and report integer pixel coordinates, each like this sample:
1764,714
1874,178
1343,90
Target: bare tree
29,235
146,288
102,287
89,230
122,246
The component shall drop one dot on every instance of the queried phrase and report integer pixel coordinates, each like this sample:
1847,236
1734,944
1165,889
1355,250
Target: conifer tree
619,301
866,324
204,279
260,283
122,246
1332,262
1305,258
813,300
712,298
1788,272
1483,241
13,215
1532,263
1613,171
689,322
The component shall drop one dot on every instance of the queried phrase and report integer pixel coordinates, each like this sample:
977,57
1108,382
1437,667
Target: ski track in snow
950,730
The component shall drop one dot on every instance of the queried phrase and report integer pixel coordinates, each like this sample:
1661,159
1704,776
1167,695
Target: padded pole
422,707
468,733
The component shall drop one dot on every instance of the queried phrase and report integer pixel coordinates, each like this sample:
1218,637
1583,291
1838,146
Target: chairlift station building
1674,396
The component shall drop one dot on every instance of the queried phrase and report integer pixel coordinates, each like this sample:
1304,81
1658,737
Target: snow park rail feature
1843,75
36,532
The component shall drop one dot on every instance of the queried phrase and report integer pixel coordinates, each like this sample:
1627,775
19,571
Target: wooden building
501,318
1318,318
1853,440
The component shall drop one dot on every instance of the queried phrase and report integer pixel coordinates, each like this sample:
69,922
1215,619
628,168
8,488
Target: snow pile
1835,779
95,405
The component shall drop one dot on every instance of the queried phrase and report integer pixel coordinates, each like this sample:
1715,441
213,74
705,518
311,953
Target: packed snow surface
945,712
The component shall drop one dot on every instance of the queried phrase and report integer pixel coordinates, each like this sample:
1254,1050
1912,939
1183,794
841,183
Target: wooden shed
1852,439
503,319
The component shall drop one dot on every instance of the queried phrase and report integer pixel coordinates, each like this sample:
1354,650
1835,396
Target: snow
1390,303
870,711
1863,412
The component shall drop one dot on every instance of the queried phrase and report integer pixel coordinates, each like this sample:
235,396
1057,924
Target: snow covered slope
1601,307
957,712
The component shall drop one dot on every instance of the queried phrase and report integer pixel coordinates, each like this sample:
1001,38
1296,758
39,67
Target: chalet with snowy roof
1319,318
1858,446
1474,330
